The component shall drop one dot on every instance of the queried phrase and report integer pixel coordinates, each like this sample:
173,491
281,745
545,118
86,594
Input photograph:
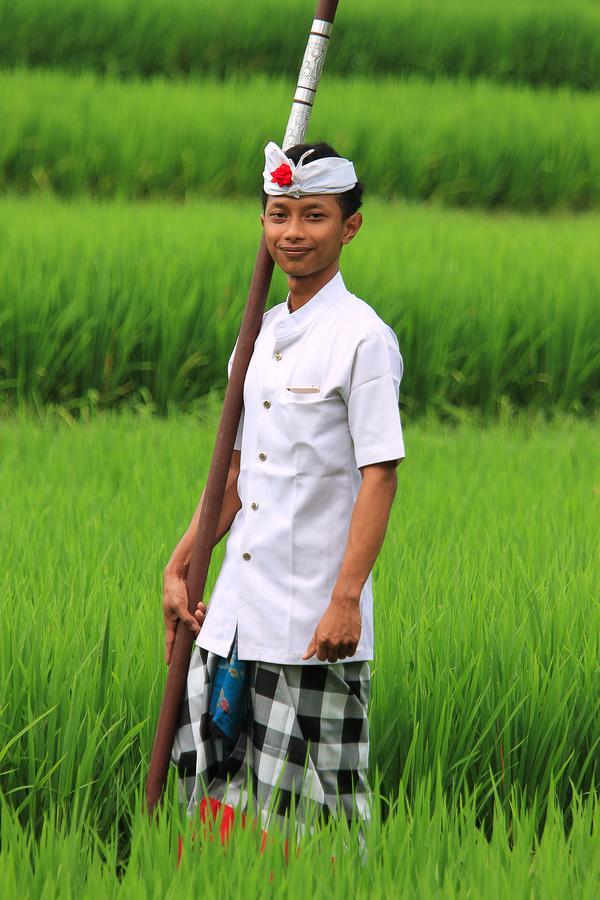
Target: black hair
349,201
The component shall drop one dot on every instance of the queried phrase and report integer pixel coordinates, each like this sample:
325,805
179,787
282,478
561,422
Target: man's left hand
338,632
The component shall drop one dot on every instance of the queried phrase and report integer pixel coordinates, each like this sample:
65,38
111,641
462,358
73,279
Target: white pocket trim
305,389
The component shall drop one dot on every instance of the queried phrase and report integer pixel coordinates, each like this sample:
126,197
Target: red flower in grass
282,175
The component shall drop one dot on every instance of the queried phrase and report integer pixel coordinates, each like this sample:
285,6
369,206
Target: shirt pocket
297,394
301,392
316,429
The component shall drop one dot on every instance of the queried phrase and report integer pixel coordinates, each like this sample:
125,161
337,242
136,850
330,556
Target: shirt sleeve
373,398
238,438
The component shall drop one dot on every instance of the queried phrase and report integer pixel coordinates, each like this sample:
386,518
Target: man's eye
315,215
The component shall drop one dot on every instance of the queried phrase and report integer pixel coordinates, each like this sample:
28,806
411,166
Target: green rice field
484,716
552,42
426,853
450,142
105,303
131,139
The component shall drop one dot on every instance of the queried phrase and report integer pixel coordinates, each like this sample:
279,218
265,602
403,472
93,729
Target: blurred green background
131,144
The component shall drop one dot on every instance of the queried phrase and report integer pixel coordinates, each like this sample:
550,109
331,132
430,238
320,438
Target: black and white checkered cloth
306,739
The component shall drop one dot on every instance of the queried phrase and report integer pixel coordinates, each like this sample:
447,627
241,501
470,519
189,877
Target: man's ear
351,226
262,219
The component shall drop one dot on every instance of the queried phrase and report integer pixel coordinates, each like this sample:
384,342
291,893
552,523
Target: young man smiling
279,687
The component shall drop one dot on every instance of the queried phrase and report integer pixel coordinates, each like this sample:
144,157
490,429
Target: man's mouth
295,252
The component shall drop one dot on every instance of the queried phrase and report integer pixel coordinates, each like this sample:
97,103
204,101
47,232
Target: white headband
323,176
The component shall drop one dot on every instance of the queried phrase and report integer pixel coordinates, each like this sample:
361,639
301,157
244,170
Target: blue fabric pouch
229,698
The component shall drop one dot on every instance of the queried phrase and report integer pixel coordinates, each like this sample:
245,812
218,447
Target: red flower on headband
282,175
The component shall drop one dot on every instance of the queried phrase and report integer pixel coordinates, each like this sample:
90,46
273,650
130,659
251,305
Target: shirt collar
290,324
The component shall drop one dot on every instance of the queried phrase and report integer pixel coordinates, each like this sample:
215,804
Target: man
279,682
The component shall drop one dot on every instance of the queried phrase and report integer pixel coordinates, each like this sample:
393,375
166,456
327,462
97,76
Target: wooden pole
310,73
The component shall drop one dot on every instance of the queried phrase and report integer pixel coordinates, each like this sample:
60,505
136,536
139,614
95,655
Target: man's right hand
175,608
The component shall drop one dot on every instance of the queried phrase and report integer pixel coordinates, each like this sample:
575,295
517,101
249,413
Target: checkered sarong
306,739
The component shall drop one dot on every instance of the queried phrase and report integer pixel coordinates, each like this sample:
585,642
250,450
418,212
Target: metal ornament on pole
168,721
308,82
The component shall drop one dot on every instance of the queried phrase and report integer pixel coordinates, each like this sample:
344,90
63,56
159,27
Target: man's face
305,235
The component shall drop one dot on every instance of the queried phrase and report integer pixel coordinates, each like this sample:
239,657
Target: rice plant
413,851
485,679
527,41
448,142
102,304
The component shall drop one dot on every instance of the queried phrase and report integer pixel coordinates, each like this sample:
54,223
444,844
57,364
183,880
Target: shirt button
262,456
267,404
246,555
254,505
277,356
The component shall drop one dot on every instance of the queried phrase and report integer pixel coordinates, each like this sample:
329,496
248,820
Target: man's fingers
169,638
327,652
172,617
323,650
189,621
310,650
200,613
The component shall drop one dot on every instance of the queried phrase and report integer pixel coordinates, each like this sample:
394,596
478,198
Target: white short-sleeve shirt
320,400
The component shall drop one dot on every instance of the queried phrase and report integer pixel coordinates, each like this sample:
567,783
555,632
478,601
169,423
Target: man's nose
294,230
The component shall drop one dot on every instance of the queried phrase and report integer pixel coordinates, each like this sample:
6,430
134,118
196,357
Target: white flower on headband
283,177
